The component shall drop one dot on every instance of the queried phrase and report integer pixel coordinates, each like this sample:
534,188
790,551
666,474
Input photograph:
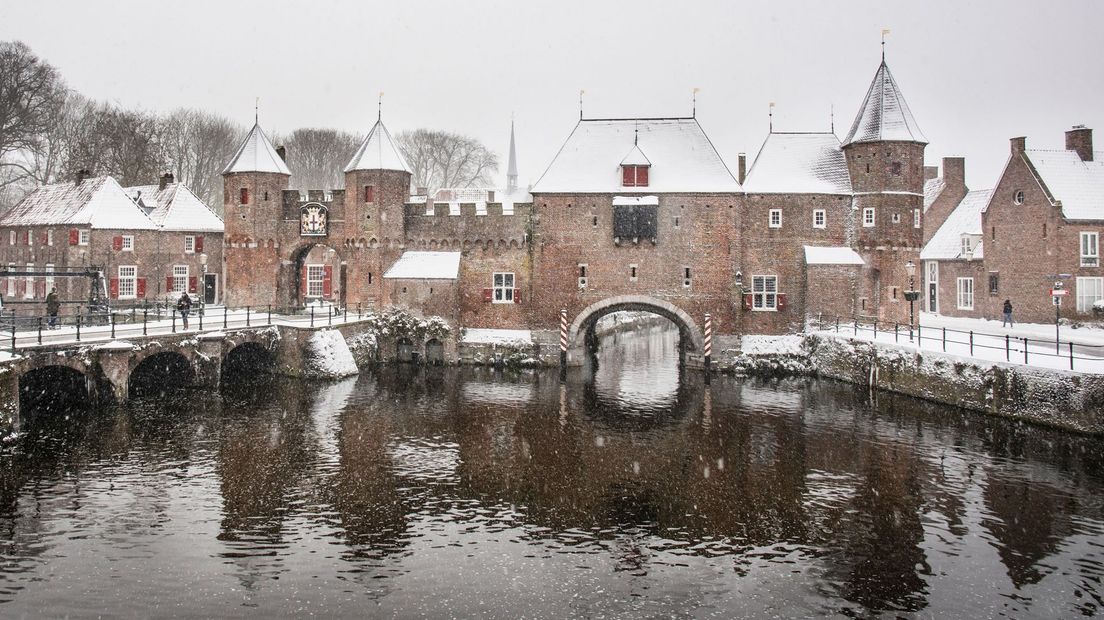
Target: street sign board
1058,291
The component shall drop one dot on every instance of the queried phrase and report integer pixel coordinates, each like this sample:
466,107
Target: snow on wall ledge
1052,397
328,356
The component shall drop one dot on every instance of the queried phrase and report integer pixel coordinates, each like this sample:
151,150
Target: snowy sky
973,73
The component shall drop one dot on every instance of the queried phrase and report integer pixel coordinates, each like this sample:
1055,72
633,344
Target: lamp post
912,294
203,284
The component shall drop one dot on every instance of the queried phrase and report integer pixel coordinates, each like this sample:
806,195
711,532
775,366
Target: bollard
944,339
329,316
174,322
971,343
1007,349
312,316
1071,355
896,332
39,330
247,310
145,319
708,345
270,314
1025,350
224,314
563,341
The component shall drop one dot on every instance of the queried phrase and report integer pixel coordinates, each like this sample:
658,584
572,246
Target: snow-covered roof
635,200
425,266
932,189
1079,185
799,163
99,203
833,255
378,152
256,154
946,243
682,158
884,114
176,208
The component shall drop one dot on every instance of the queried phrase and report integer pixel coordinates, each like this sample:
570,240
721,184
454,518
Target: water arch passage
161,373
53,389
583,341
245,362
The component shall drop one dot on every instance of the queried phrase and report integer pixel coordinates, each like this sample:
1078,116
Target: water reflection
436,491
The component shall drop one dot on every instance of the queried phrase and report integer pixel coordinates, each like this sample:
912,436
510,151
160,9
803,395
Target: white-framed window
967,248
632,272
965,293
128,281
1089,290
774,218
764,293
29,291
1090,249
30,237
11,280
11,237
1018,197
180,278
49,236
128,243
189,244
868,217
49,279
503,285
820,218
316,274
916,218
84,237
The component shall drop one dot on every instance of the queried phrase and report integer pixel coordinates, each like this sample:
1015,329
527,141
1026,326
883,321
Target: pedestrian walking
52,308
1007,313
184,306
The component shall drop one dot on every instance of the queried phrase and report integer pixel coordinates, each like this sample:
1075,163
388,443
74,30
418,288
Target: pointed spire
884,115
378,152
256,154
511,168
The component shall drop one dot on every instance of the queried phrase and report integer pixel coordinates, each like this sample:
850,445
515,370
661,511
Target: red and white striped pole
708,344
563,338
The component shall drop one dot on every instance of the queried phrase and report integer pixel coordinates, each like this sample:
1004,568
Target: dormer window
634,175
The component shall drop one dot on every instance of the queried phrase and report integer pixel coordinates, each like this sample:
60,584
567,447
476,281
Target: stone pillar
114,368
9,397
208,364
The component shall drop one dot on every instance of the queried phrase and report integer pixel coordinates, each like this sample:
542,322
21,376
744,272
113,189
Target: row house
147,242
1040,225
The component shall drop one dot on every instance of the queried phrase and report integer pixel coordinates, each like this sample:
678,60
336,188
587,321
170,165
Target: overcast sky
973,73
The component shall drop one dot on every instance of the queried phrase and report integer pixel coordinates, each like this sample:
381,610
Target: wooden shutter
74,236
141,288
781,300
628,176
26,237
117,243
747,301
642,176
488,294
168,283
517,296
45,237
199,244
114,288
192,283
303,281
327,281
369,193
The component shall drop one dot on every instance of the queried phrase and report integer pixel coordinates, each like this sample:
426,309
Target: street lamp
912,294
203,284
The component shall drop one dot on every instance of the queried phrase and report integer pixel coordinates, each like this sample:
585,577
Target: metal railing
1012,348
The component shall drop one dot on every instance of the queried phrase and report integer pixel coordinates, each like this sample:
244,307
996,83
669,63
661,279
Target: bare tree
108,140
443,159
31,95
317,157
196,146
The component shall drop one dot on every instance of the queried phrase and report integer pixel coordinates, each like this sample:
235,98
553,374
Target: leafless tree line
48,133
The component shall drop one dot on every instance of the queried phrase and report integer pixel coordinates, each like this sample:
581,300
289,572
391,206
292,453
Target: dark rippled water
459,492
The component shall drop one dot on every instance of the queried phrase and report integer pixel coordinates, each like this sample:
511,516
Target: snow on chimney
931,172
166,180
741,169
954,171
83,174
1080,139
1019,145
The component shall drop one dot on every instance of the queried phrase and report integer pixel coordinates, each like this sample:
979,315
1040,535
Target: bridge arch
581,338
54,388
161,370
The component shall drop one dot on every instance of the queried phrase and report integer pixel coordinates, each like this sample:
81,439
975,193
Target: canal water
625,492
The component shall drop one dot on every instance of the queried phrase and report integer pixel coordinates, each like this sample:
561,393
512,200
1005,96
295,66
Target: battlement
477,209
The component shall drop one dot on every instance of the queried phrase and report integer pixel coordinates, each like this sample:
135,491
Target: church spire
511,168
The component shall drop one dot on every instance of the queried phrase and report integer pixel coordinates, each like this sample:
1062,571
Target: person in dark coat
52,307
1007,313
184,306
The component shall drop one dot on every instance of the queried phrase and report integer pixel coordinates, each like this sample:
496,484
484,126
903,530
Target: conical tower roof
884,115
256,155
378,152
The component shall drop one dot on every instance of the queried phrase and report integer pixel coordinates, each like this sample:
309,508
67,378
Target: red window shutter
244,195
45,238
628,176
747,301
117,243
642,176
303,281
74,236
517,296
192,282
26,237
199,244
369,193
141,288
781,301
114,288
327,281
168,283
488,294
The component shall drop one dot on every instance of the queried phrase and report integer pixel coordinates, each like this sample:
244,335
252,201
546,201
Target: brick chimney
954,171
931,172
82,174
282,152
166,180
1019,145
1080,139
741,168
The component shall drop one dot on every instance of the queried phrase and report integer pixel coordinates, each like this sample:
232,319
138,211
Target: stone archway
580,335
320,253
